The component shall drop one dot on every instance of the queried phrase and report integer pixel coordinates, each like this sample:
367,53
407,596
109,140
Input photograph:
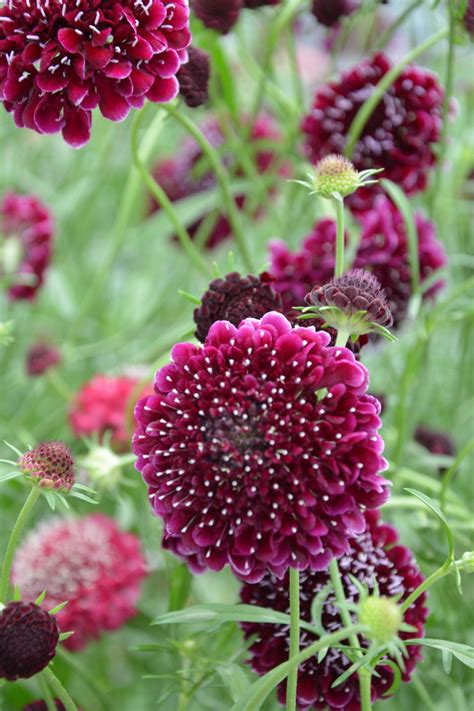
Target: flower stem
13,540
342,338
46,694
364,686
59,689
339,266
294,638
437,575
365,111
386,36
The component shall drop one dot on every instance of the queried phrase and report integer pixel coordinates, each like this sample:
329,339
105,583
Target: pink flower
27,226
91,563
61,59
246,466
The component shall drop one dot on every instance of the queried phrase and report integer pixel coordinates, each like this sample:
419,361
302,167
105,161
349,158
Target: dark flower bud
219,15
193,78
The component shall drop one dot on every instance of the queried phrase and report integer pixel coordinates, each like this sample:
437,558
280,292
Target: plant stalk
59,689
340,245
294,638
33,496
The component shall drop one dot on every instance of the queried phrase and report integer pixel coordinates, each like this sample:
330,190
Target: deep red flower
193,78
245,464
373,556
40,357
468,18
436,442
50,465
91,563
398,137
383,250
28,639
233,299
27,227
253,4
61,59
219,15
100,406
41,706
329,12
184,174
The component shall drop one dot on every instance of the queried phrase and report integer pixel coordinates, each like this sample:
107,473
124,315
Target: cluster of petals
27,223
90,563
330,12
60,59
260,449
383,250
221,15
400,135
374,558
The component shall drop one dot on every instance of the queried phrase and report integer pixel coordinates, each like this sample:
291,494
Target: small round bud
50,465
28,639
103,467
383,618
193,78
335,174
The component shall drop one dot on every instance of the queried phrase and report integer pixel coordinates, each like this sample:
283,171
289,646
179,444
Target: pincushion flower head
400,135
60,59
28,639
91,563
374,559
330,12
50,465
26,234
245,464
40,358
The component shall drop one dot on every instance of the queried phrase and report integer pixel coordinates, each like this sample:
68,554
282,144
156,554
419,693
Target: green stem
386,36
164,201
437,575
365,111
222,178
13,540
46,694
364,686
339,266
294,638
342,338
95,687
59,689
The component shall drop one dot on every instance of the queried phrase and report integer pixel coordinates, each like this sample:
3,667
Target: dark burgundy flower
329,12
373,557
41,706
219,15
468,18
383,250
28,639
398,137
50,465
27,228
91,563
253,4
245,464
40,358
61,59
193,78
185,175
436,442
233,299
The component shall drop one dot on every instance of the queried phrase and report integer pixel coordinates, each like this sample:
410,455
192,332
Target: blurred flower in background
40,357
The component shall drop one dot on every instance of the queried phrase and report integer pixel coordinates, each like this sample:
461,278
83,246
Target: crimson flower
374,557
41,356
60,59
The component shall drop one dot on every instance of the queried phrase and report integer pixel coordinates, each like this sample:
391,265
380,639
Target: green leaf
404,206
463,652
397,678
317,607
58,608
437,511
10,475
40,598
181,581
447,660
189,297
83,497
361,662
11,446
50,498
65,635
235,679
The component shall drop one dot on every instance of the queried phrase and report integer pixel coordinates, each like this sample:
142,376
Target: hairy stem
14,538
294,638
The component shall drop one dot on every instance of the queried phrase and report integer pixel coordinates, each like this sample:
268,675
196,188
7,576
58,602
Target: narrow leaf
235,679
437,511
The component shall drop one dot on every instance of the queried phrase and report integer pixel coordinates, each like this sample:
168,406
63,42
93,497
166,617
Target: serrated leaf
234,678
437,511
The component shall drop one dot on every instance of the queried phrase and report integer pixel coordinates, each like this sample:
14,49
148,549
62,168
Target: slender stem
364,686
95,687
14,538
451,472
57,382
163,200
342,338
294,638
367,108
339,266
46,694
222,179
59,689
437,575
386,36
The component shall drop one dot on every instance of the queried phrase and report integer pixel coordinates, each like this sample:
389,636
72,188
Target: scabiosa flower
183,175
193,78
219,15
398,137
436,442
91,563
383,250
50,465
374,557
245,464
27,228
330,12
233,299
61,59
100,406
40,357
28,639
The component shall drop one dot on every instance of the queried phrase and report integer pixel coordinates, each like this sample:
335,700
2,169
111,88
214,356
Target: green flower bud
383,618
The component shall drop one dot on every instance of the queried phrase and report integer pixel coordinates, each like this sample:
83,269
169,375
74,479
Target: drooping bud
383,618
50,465
193,78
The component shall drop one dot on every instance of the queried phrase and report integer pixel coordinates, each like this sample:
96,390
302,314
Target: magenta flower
27,227
91,563
383,250
61,59
400,134
373,556
246,466
41,356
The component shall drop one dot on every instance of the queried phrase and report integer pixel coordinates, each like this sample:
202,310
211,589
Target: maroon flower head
91,563
193,78
330,12
40,358
254,4
50,465
243,461
383,250
373,557
219,15
233,299
41,706
436,442
61,59
26,229
399,135
468,18
28,639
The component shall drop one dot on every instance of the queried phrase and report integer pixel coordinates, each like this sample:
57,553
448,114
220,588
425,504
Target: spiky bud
383,618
